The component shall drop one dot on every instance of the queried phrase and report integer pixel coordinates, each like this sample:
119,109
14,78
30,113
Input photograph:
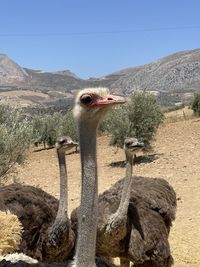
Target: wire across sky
95,38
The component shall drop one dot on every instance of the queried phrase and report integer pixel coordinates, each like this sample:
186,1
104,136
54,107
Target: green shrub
139,118
15,138
68,126
48,128
196,104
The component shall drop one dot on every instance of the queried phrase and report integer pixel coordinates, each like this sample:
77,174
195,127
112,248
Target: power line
99,32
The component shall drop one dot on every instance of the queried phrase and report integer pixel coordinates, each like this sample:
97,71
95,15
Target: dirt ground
176,158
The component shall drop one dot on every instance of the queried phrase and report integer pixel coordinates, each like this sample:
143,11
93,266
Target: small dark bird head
65,143
132,145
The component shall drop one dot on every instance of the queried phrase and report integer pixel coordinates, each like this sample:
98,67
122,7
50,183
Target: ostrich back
36,210
152,208
153,193
147,238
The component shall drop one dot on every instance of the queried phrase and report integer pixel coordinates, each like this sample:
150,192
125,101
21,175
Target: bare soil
176,157
22,98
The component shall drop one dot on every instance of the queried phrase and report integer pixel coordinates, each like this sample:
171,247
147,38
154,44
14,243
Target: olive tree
15,137
140,118
68,126
47,128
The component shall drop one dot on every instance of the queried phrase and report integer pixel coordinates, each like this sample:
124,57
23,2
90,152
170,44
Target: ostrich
47,236
91,105
112,229
134,218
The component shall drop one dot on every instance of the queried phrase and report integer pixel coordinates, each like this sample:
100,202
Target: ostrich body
148,223
47,236
90,107
134,218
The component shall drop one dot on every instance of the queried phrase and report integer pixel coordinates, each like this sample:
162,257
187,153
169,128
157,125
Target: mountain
172,79
10,72
178,72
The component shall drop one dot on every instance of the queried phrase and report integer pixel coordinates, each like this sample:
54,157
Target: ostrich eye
86,99
128,144
61,141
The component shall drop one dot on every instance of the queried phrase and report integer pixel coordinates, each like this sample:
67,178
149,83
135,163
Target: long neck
125,197
62,214
63,202
87,227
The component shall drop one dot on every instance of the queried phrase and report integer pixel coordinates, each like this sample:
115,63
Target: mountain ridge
172,78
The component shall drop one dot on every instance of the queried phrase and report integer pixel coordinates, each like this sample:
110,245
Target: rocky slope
177,72
10,72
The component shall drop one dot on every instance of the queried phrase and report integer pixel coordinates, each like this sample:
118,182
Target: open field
179,114
176,158
22,98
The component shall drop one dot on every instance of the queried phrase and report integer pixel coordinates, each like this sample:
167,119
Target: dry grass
22,98
10,233
179,115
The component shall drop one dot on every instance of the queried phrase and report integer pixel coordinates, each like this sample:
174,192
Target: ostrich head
65,143
132,146
92,104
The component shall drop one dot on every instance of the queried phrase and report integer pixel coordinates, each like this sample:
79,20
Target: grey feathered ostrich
134,219
139,232
90,107
47,236
112,226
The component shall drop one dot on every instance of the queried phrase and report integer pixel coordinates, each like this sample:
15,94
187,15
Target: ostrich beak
138,145
75,144
109,100
72,144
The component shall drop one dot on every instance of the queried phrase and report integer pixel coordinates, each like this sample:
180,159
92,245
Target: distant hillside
10,72
172,79
175,73
48,81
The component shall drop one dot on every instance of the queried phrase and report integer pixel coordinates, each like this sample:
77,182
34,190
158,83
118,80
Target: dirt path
177,159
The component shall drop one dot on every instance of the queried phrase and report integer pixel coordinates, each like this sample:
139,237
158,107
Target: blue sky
93,38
